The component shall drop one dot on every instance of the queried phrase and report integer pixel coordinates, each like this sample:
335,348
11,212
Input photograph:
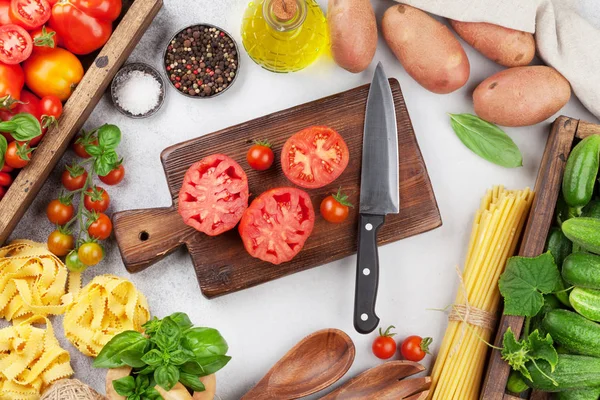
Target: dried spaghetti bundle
498,223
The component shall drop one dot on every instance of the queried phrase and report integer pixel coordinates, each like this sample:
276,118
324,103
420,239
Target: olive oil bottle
284,35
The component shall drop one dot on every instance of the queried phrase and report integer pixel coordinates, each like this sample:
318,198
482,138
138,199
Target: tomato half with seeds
214,195
314,157
30,13
15,44
276,225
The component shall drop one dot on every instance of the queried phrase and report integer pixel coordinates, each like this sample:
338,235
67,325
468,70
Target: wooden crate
137,16
547,188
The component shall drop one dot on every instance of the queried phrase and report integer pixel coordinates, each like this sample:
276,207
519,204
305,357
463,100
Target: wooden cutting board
221,263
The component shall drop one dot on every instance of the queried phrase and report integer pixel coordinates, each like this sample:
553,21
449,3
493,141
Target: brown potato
353,31
521,96
427,49
504,46
210,384
112,375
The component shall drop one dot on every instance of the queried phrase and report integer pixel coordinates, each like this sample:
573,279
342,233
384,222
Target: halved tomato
5,12
276,225
15,44
214,194
314,157
30,13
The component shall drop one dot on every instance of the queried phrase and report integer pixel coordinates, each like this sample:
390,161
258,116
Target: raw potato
112,375
521,96
210,384
504,46
353,31
427,49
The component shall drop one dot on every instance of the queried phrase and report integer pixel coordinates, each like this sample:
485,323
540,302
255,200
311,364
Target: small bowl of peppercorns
201,61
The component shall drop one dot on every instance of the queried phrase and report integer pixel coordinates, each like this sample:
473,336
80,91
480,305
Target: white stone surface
262,323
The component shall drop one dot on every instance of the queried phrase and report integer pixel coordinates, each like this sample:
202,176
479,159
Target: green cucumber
582,269
563,212
583,231
560,247
581,171
592,210
550,303
581,394
516,383
571,373
586,302
574,332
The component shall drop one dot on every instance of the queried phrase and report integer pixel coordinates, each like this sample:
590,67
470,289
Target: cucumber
592,210
583,231
558,245
581,394
574,332
563,212
516,383
571,373
586,302
580,172
582,269
550,303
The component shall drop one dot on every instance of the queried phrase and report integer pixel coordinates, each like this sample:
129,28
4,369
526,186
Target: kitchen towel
567,33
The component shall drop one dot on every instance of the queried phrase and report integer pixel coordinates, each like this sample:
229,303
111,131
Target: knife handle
367,273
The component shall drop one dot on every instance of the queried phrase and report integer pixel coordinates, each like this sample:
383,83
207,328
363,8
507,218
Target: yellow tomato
56,72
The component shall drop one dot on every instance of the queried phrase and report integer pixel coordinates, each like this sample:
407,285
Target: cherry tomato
314,157
101,228
5,179
260,156
17,155
2,192
80,143
54,72
6,168
73,262
60,243
30,104
384,345
115,176
74,178
15,44
44,39
414,348
90,253
51,109
96,199
5,13
59,211
30,13
335,207
12,80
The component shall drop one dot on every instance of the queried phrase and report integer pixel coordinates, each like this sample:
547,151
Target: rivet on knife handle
367,273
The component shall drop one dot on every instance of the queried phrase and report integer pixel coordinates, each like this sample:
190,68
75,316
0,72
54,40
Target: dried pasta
496,230
31,359
105,307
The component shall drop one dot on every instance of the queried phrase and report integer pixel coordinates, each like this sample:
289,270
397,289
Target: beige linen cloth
567,33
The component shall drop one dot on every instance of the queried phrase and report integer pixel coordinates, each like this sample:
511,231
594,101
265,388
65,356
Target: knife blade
379,194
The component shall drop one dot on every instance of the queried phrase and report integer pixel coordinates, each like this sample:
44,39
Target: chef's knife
379,194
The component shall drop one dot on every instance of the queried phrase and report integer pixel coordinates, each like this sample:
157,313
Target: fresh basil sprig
486,140
22,127
140,387
105,156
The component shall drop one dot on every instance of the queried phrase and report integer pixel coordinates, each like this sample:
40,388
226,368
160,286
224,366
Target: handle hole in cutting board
144,236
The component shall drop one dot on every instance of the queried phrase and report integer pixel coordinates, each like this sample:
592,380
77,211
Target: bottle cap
284,10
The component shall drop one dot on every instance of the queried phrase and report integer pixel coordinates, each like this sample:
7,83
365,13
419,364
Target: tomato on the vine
90,253
30,13
60,211
15,44
5,179
96,199
335,207
60,242
384,345
74,177
44,39
82,141
115,176
17,155
260,156
414,348
101,227
73,262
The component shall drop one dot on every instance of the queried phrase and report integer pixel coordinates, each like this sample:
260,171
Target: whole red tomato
115,176
15,44
12,80
5,12
30,13
30,103
60,211
53,72
84,25
96,199
5,179
260,156
101,227
414,348
44,39
73,177
384,345
335,207
17,155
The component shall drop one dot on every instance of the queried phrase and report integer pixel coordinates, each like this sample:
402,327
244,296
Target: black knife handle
367,273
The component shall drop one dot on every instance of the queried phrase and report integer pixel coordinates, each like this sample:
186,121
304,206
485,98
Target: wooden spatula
385,382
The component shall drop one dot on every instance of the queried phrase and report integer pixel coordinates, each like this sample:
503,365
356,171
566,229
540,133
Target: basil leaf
142,381
151,326
147,370
204,342
182,320
191,381
109,137
178,357
124,386
93,150
22,127
210,365
166,376
106,162
486,140
152,394
153,358
129,343
3,147
168,334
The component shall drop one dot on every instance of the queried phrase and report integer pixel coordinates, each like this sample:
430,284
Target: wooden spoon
385,382
316,362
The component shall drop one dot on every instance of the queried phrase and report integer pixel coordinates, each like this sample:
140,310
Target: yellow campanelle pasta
31,359
105,307
496,230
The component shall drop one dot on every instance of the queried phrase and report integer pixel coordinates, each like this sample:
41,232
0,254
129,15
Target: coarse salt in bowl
137,90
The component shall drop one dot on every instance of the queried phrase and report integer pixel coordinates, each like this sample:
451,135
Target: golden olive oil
284,35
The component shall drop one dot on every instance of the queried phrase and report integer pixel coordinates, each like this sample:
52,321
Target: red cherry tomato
73,178
5,179
96,199
80,143
414,348
384,345
6,168
59,212
260,156
44,39
101,228
15,44
335,207
51,106
17,155
30,13
115,176
60,243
